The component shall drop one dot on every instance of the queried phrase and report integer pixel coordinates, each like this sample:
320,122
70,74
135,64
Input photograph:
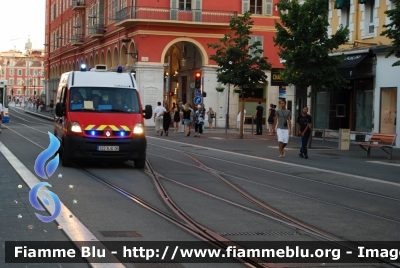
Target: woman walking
177,118
199,120
166,120
211,116
271,117
187,115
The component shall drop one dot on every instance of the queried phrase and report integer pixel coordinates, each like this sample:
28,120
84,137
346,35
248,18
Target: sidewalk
232,133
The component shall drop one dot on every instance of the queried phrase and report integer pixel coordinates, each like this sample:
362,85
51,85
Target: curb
40,115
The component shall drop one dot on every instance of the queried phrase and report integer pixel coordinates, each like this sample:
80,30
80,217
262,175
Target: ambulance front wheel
65,160
140,163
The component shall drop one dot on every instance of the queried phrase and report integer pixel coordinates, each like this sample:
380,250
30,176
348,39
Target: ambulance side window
64,95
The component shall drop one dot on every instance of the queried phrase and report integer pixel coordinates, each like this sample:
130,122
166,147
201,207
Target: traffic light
171,93
197,80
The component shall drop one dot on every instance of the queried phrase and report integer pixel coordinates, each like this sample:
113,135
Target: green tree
304,45
393,31
239,63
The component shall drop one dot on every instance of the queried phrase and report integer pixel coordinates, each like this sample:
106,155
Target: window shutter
254,39
261,39
115,9
197,11
245,6
268,7
174,10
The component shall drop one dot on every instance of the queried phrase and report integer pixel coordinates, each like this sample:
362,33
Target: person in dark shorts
304,126
271,116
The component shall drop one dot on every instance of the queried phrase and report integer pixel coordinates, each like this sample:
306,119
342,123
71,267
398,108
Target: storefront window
320,110
364,111
388,110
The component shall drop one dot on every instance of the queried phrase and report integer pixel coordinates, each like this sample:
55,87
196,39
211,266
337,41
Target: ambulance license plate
108,148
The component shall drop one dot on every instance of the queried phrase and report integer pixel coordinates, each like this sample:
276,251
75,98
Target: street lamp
127,40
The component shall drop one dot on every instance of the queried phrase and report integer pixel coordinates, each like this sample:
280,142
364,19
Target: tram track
274,172
218,174
281,216
185,222
200,231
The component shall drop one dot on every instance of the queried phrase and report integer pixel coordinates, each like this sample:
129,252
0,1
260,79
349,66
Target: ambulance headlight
138,129
74,127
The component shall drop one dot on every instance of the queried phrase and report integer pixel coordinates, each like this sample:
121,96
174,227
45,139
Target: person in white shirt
158,117
238,119
1,115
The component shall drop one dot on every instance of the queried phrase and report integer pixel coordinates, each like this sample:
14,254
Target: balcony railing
77,39
97,29
174,14
78,4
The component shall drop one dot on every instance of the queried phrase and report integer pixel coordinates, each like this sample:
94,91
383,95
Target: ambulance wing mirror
148,112
60,109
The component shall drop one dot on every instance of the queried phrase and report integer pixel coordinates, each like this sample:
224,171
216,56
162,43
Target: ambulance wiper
117,110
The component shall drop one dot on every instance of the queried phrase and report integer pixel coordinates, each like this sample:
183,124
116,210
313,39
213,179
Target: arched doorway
182,58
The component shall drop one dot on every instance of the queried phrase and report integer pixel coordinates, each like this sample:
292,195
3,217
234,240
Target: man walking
259,114
158,117
282,122
303,124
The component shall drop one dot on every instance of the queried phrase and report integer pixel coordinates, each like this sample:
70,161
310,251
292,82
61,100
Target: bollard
252,123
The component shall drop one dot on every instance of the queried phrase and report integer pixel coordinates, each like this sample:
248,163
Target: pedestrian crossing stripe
102,127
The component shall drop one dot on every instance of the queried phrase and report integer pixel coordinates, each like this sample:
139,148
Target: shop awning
339,4
351,61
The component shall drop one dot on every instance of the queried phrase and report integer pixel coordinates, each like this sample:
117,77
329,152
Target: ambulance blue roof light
83,67
119,69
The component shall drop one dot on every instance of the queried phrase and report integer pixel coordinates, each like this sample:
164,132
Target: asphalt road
342,193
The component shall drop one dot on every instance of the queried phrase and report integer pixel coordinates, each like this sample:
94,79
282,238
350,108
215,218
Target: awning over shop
351,61
339,4
356,65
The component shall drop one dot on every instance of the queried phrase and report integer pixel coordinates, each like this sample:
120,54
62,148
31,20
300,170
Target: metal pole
226,114
168,85
326,100
252,123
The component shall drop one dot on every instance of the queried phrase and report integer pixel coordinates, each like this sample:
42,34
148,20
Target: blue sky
20,20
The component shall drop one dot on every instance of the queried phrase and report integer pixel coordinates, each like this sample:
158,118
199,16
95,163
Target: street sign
197,100
197,93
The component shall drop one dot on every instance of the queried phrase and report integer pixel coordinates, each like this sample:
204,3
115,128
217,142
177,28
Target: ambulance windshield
110,100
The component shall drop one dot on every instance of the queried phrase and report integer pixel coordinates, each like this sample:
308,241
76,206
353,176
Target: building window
253,39
259,7
11,71
28,71
35,72
256,6
345,16
19,72
185,4
388,111
11,81
369,17
19,81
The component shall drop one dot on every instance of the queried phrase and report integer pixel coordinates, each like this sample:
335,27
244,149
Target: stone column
150,82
